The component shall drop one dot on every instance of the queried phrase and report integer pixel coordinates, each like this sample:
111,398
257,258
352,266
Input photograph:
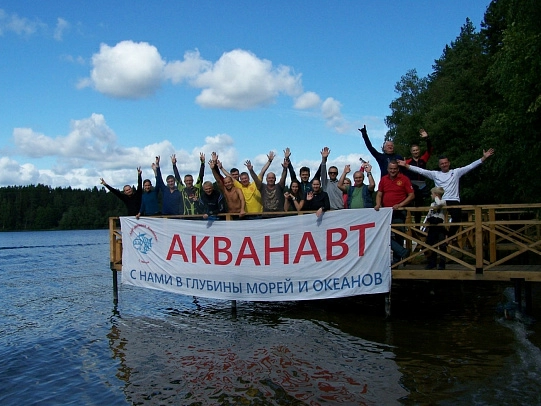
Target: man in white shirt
449,180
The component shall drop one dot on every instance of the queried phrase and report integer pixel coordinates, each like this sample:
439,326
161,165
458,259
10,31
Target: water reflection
444,344
257,357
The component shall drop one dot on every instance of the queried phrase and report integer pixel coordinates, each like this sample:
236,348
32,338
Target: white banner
343,253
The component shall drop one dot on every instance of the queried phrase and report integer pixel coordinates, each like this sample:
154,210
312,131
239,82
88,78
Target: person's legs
443,247
399,251
399,217
430,240
456,216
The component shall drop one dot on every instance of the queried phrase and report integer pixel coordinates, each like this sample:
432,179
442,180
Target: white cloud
74,59
128,70
307,100
189,68
89,138
20,26
61,26
12,173
240,80
90,152
330,109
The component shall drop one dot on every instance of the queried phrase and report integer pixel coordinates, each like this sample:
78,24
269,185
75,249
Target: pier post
388,305
115,287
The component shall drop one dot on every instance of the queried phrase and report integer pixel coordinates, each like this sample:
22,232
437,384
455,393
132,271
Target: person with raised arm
190,192
304,174
149,201
330,183
359,195
252,195
130,198
272,193
171,197
449,180
233,196
382,158
417,180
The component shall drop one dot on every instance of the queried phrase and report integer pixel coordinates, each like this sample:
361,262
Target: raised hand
423,133
488,153
248,165
325,152
363,131
287,153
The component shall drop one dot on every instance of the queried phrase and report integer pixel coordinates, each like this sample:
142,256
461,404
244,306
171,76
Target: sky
94,90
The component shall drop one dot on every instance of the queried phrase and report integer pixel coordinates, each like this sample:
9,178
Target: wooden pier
493,243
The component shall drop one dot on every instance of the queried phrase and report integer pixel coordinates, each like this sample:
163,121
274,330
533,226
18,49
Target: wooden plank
478,238
530,273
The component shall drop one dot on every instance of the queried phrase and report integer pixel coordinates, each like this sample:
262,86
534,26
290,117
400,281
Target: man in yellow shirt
252,195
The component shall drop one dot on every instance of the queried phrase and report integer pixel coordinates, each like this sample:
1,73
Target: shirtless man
233,196
252,195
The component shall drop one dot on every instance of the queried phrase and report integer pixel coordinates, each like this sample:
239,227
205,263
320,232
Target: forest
40,207
483,92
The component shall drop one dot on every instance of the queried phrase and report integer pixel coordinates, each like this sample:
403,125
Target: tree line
483,92
40,207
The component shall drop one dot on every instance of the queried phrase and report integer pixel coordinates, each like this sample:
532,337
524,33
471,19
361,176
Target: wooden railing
493,242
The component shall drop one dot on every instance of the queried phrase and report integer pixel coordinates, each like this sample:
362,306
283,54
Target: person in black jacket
211,202
131,198
317,199
382,158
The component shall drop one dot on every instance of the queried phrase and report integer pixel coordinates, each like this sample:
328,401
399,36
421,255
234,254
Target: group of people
398,190
247,196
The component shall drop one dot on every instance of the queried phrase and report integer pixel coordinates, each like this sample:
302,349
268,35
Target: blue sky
96,89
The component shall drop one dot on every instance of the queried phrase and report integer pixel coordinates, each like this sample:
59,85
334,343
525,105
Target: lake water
63,341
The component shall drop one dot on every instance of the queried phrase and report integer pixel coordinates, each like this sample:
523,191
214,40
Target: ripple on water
190,357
